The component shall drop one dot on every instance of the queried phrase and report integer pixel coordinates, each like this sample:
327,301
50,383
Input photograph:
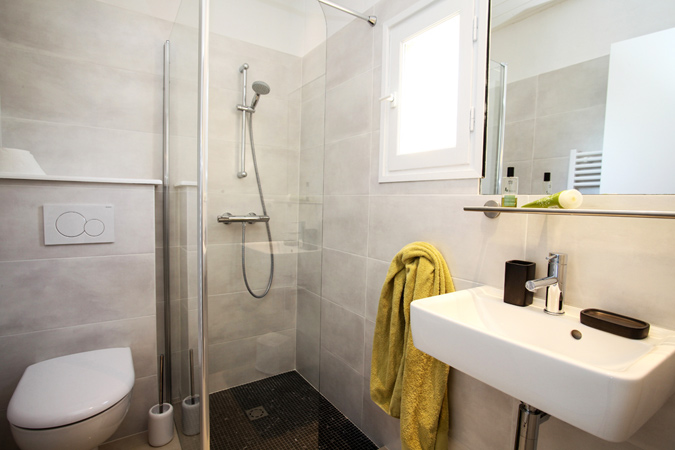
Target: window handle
391,98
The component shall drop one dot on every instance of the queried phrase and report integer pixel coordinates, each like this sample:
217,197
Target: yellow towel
404,381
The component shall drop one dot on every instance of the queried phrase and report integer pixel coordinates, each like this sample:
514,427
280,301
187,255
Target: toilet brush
160,416
190,407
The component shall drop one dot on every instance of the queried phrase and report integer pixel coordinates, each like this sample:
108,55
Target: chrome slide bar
242,159
372,20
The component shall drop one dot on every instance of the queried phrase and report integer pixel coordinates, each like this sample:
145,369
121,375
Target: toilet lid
71,388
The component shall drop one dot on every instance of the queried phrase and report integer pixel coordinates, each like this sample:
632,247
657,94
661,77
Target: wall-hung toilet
74,402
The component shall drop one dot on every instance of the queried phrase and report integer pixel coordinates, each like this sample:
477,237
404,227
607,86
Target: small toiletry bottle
548,188
509,189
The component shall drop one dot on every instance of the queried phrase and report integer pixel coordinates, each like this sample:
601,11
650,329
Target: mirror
582,90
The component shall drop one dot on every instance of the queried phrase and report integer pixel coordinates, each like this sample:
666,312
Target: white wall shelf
31,177
493,211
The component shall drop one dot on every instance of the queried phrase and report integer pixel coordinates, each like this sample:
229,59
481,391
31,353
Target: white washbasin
604,384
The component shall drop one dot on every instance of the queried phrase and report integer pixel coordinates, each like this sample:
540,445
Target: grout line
69,258
79,325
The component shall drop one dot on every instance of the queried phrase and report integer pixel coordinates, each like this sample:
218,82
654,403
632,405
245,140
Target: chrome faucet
554,283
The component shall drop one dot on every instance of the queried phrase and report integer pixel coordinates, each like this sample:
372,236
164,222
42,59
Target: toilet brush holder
190,415
160,425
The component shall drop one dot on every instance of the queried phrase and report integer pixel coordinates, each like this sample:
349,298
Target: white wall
294,27
639,137
574,31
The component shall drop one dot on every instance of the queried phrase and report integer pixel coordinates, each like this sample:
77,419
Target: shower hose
267,224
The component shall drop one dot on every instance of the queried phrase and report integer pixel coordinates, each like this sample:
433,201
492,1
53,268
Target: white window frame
466,158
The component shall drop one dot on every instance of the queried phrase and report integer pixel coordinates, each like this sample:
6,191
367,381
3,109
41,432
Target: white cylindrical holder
160,425
190,416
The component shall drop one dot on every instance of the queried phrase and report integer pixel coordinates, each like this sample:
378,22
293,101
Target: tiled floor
283,412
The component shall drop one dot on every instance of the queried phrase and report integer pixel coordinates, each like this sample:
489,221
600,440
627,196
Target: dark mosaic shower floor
293,416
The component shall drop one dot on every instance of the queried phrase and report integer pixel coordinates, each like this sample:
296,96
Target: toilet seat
70,389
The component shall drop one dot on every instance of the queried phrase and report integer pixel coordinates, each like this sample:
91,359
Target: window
428,100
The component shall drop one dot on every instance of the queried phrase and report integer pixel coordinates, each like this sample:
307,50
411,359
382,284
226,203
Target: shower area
244,144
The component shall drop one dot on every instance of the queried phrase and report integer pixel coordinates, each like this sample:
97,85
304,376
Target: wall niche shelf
493,210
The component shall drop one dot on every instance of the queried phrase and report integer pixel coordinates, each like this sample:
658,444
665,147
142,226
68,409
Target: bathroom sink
604,384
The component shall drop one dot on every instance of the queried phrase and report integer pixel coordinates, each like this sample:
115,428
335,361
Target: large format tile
557,435
344,280
309,314
225,273
342,386
349,52
134,219
342,333
314,63
309,270
53,89
519,140
75,291
477,255
238,316
348,108
116,153
582,130
614,264
308,358
469,412
347,168
376,274
312,122
380,427
345,223
86,30
578,86
521,100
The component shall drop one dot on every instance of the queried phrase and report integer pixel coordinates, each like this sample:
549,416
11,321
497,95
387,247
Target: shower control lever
252,218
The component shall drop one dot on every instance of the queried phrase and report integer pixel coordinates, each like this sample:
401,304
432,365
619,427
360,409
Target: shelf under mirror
492,210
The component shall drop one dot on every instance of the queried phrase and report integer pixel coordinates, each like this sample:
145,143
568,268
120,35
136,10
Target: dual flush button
78,224
72,224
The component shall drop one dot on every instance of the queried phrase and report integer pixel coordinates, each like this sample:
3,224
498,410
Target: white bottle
548,187
510,189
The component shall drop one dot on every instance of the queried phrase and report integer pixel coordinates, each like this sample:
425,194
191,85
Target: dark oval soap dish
615,323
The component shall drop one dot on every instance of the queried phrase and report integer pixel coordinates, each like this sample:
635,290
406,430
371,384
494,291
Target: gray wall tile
376,274
579,86
521,100
342,386
348,108
582,130
344,280
347,166
75,291
52,89
134,219
342,333
349,52
116,154
345,224
90,31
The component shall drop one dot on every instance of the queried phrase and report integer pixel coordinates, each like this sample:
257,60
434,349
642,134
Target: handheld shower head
260,88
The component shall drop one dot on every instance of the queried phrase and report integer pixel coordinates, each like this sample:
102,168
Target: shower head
260,88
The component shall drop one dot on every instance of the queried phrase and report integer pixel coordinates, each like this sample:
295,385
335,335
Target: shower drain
256,413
